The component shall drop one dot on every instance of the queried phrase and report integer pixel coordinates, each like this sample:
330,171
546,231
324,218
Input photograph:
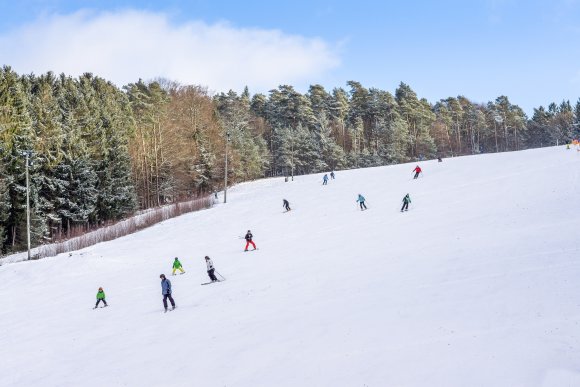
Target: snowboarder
177,266
166,292
417,171
249,240
285,204
361,201
332,175
210,269
325,179
100,297
406,201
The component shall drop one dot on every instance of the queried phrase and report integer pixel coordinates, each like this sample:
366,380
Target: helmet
206,257
162,276
100,288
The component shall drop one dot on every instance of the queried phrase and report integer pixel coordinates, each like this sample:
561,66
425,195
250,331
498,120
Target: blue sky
527,50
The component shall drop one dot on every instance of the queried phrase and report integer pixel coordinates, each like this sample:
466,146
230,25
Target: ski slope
477,285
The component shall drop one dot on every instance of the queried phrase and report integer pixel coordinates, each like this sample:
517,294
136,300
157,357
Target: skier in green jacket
406,201
177,266
100,297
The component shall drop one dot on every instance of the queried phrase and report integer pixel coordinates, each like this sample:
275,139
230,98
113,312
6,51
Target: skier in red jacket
417,171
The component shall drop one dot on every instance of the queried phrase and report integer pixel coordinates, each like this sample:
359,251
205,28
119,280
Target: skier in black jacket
285,204
249,240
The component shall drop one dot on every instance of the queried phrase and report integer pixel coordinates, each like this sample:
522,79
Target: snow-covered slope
477,285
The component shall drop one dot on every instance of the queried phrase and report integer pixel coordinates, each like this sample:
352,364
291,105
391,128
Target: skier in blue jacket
166,292
361,201
325,179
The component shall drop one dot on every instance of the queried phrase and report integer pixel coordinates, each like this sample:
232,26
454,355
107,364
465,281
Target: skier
417,171
177,266
325,179
210,269
285,204
406,201
249,240
166,292
439,159
361,201
332,175
100,297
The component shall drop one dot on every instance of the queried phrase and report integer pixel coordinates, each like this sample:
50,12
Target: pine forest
99,153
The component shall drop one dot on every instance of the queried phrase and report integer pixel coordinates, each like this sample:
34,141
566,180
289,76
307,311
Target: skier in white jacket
210,269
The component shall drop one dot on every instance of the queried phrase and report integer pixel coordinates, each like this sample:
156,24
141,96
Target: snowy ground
477,285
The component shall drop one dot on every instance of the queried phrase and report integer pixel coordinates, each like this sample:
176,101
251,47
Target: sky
481,49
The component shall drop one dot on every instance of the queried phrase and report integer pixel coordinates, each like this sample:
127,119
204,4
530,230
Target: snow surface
477,285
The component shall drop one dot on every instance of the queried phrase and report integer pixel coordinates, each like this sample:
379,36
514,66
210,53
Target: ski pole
224,278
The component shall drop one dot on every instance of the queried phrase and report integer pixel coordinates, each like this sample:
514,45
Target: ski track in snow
476,285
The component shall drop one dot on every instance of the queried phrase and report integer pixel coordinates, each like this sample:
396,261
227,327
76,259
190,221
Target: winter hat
206,257
162,276
100,289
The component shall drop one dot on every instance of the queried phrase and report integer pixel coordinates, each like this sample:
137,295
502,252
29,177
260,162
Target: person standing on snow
177,266
406,201
417,171
332,175
361,201
325,179
100,297
285,204
210,269
166,292
249,240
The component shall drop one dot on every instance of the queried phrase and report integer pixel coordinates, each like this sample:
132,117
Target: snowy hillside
477,285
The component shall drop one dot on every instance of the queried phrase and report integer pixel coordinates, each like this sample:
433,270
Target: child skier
100,297
417,171
406,201
285,204
210,269
325,179
166,292
361,201
177,266
249,240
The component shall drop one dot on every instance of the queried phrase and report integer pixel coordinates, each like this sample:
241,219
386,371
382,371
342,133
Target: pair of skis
213,282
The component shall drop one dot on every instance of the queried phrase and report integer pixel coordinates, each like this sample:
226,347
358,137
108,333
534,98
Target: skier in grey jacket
210,269
166,292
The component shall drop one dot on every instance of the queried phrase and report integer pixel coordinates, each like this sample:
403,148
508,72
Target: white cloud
128,45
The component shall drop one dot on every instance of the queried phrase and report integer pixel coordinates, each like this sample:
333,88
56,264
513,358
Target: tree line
99,152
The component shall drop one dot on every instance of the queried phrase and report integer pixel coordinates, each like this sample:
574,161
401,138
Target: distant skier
439,159
210,269
177,266
249,240
100,297
406,201
332,175
417,171
361,201
325,179
285,204
166,292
